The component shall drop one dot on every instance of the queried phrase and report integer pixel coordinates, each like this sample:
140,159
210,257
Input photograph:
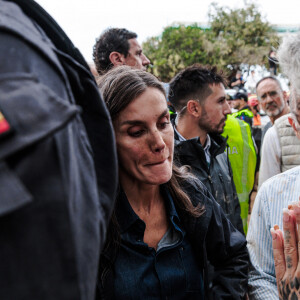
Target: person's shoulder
217,139
268,125
13,17
292,173
185,147
282,121
193,186
276,193
9,7
282,182
198,192
270,134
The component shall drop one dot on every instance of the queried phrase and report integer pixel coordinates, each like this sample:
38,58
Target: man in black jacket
58,172
198,95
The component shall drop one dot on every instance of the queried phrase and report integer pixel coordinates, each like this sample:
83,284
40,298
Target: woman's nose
157,142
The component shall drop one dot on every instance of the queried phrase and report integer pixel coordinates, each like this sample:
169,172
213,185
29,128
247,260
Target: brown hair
119,87
122,85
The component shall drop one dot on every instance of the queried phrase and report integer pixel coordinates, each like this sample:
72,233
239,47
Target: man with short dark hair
198,95
116,47
244,113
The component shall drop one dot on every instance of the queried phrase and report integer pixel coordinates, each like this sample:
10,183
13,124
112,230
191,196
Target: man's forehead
216,88
134,44
216,85
266,85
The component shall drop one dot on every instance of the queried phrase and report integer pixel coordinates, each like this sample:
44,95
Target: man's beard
205,125
276,112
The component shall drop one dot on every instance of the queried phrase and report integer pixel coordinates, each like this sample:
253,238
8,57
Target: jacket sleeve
227,252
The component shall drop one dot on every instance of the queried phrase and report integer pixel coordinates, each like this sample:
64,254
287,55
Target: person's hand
286,253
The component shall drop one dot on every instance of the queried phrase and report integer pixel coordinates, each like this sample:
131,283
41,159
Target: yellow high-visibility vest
245,111
242,157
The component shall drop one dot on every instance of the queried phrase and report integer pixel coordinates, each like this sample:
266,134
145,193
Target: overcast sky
84,20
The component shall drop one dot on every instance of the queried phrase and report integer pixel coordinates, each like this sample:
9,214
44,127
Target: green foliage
177,48
234,37
248,38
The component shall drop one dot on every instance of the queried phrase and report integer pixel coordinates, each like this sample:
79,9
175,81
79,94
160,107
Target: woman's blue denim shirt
140,272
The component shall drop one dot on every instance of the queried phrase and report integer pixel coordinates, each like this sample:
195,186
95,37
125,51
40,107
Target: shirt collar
207,143
170,206
124,212
180,137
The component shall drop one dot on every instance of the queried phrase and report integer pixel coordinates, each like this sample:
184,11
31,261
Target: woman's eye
136,133
164,125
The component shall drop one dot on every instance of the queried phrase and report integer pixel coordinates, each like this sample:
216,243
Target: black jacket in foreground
217,178
213,239
58,174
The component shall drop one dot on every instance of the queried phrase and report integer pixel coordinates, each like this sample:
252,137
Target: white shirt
270,156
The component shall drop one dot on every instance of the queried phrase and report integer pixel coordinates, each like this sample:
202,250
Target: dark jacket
53,208
213,238
217,177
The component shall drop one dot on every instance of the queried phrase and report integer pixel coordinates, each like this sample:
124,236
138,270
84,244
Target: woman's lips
157,163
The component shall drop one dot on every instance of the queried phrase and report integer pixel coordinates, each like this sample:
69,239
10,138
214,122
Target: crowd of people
125,187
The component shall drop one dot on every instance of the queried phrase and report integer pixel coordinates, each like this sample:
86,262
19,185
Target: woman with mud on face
165,225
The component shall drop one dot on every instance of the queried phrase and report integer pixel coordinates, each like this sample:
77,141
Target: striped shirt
274,195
